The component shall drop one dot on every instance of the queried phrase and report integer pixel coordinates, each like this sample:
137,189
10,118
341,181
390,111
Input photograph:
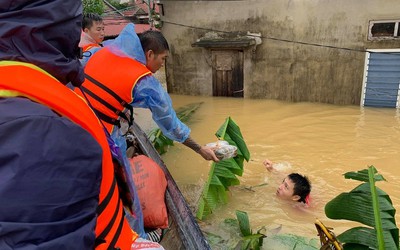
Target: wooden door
227,73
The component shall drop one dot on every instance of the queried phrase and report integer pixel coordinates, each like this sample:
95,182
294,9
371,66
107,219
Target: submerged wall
278,68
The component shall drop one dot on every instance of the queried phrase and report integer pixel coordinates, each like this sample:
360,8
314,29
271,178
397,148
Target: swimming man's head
294,187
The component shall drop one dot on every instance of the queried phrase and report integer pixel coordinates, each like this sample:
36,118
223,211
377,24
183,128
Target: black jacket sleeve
50,172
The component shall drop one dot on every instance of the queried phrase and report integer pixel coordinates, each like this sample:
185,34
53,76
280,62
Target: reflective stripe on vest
22,79
119,76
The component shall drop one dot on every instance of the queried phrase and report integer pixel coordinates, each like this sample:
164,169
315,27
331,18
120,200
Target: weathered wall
278,69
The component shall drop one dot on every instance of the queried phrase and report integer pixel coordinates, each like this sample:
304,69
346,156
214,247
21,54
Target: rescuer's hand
208,154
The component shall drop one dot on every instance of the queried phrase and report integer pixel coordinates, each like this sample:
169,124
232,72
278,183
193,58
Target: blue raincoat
148,92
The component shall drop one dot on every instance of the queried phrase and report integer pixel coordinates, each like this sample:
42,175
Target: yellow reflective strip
9,93
134,84
12,93
29,65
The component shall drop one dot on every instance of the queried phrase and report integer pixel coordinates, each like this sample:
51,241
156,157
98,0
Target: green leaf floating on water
223,174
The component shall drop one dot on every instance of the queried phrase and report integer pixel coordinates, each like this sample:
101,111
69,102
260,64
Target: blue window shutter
381,88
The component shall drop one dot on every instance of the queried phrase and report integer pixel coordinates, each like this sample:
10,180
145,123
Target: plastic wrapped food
223,150
217,144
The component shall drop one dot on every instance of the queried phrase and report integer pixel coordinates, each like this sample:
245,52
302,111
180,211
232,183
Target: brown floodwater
321,141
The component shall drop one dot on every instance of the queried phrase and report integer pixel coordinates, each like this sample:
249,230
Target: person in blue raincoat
151,51
119,77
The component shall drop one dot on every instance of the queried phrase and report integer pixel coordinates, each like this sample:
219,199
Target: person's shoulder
88,54
150,80
17,107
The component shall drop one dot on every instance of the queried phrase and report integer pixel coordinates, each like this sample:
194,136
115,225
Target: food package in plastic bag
223,150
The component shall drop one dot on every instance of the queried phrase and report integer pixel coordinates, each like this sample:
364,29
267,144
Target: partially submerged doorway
227,73
228,53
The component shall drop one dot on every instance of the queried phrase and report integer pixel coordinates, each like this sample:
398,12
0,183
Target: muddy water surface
319,140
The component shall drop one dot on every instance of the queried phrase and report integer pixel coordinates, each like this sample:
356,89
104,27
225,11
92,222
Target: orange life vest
22,79
89,46
109,83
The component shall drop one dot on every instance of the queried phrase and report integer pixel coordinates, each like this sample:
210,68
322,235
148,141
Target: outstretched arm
148,93
206,152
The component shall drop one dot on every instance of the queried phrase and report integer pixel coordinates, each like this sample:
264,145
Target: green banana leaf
366,237
252,242
159,140
363,175
223,174
249,240
369,205
244,223
230,132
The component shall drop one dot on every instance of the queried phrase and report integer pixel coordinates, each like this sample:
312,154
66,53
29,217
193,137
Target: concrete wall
277,69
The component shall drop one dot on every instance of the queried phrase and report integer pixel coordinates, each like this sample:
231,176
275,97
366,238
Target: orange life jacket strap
100,238
108,90
109,106
106,104
107,199
119,229
107,118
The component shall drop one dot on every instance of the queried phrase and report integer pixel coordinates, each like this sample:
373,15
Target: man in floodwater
294,187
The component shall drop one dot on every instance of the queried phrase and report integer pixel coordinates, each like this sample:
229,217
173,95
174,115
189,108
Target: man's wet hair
302,186
153,40
89,19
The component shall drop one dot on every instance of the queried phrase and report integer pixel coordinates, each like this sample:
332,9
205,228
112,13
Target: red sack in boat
150,184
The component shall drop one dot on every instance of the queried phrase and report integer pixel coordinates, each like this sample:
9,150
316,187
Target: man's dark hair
153,40
89,18
302,186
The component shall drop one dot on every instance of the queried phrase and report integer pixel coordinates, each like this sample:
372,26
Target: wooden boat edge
184,231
